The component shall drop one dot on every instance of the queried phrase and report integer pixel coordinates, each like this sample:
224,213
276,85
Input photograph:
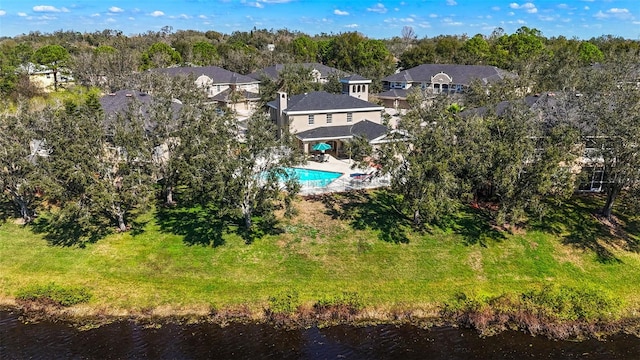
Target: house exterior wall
213,89
300,122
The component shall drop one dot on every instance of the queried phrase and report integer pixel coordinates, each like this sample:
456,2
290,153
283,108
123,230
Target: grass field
353,243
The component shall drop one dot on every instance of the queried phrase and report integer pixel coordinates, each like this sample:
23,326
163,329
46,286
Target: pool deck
336,165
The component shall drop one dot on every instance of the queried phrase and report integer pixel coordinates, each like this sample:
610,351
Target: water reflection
128,340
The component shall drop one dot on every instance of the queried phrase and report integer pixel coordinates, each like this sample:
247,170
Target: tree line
108,58
76,173
520,153
74,168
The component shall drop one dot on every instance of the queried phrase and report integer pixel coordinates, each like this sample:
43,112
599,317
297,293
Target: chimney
281,104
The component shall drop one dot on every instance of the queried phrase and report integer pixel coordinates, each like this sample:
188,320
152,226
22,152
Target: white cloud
95,15
495,8
340,12
433,16
587,8
378,8
449,21
528,7
202,16
3,13
351,26
22,14
253,4
614,13
618,11
452,2
131,18
48,8
110,20
115,9
157,13
397,20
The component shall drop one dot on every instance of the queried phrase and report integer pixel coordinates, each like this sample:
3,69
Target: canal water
129,340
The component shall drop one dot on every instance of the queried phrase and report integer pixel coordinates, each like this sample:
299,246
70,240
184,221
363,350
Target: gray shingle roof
225,96
365,128
217,74
394,94
461,74
354,77
274,71
118,103
322,100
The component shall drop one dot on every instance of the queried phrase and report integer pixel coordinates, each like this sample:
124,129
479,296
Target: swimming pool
313,178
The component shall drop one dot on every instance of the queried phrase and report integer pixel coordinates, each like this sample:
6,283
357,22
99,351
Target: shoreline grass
350,243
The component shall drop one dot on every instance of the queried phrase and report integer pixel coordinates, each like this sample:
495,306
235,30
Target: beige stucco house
227,88
331,118
435,79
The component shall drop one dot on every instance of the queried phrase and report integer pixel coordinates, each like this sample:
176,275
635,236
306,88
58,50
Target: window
329,118
349,117
311,120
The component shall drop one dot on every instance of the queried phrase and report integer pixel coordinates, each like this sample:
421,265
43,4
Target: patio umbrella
321,147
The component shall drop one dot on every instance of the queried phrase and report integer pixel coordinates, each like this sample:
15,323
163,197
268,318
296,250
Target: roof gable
365,128
274,71
460,74
218,75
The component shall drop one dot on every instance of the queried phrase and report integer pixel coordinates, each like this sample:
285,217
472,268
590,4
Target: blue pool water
313,178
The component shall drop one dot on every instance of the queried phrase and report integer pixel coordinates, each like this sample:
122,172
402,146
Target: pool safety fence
342,184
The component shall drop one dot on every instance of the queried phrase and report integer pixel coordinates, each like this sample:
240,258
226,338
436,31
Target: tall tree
21,147
422,169
259,170
531,155
125,169
160,55
611,106
76,140
53,57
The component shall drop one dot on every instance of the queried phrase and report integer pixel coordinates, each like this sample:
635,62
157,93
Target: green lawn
331,247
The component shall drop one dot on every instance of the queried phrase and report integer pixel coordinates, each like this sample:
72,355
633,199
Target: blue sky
376,18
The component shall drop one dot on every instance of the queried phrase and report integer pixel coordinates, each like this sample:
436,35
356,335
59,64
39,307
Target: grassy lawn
349,243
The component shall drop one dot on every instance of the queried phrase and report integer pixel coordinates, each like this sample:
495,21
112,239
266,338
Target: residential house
44,77
320,73
227,88
120,102
551,107
435,79
331,118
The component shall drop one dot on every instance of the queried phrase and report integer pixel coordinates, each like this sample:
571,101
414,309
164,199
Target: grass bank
346,244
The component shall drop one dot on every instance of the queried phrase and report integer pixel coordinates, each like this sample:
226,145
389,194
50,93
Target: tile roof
322,100
365,128
461,74
217,74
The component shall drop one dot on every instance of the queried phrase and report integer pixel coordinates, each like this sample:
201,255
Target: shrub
347,301
569,303
284,303
55,294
